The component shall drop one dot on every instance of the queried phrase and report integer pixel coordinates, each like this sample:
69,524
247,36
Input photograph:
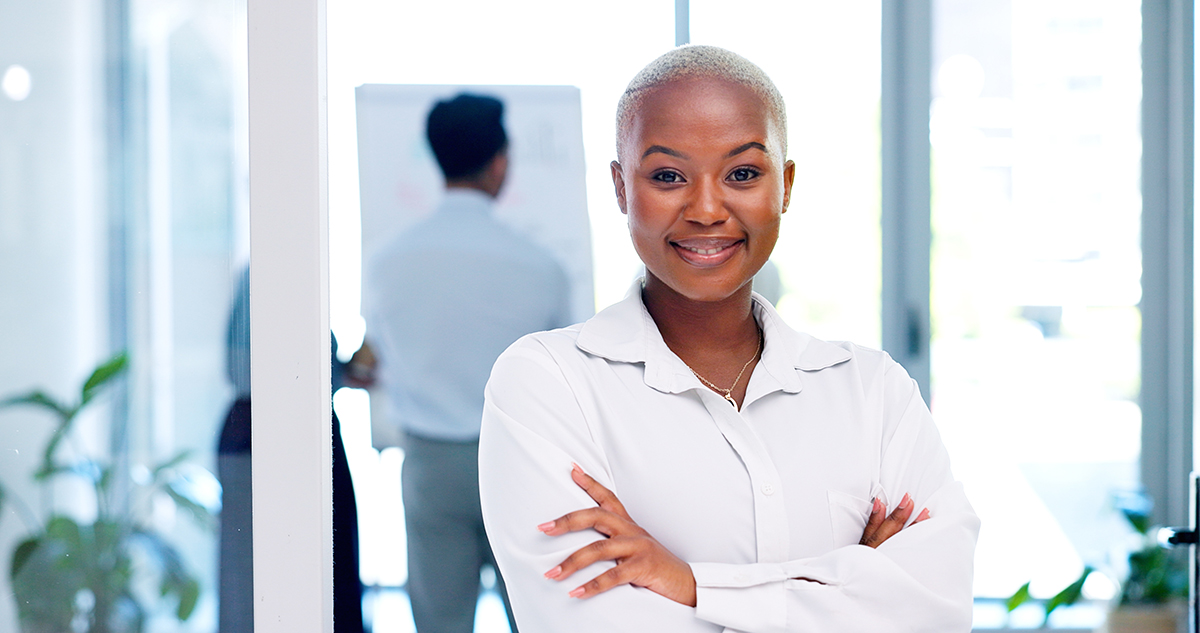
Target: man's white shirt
446,297
766,504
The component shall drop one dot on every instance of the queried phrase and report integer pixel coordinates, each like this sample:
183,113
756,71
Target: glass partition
122,238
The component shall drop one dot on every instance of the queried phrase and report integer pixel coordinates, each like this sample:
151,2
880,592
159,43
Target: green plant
1065,598
69,574
1156,575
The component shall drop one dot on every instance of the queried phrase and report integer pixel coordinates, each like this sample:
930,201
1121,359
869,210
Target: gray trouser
447,546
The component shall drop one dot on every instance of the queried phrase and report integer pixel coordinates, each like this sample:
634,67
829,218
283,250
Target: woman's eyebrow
741,148
659,149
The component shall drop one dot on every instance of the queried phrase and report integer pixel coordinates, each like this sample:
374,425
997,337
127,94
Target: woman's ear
789,176
619,184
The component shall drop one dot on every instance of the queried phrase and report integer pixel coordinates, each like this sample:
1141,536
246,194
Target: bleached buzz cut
696,61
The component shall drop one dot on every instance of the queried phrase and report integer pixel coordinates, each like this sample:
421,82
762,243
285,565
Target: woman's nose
706,205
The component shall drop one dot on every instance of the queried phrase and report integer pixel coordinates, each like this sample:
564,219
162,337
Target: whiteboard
544,197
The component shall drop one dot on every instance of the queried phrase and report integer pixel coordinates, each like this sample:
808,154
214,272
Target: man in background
446,298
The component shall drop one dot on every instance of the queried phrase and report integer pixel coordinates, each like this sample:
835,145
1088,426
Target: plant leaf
102,375
189,595
64,529
1017,599
200,513
40,399
21,555
1068,596
46,579
49,470
175,578
64,413
105,479
1155,576
110,535
1138,520
66,418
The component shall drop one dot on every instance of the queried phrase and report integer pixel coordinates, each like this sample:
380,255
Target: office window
824,57
1036,266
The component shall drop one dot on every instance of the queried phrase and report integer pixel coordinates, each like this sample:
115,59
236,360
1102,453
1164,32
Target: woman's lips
707,251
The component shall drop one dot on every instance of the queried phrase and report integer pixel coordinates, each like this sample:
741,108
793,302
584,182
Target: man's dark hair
465,133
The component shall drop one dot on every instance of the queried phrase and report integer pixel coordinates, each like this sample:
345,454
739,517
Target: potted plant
70,574
1153,594
1154,591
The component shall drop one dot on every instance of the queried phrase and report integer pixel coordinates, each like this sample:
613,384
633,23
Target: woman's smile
707,251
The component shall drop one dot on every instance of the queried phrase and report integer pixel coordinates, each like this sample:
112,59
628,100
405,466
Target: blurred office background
1038,335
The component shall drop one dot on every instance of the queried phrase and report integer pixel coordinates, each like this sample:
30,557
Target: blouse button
768,489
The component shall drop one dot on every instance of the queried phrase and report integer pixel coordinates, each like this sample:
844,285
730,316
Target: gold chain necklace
727,393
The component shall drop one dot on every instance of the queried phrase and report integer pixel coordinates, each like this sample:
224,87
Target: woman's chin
706,289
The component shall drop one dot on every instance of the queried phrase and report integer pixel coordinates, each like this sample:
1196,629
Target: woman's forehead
695,104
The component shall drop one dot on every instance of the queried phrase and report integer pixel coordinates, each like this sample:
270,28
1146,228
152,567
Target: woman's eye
668,177
743,174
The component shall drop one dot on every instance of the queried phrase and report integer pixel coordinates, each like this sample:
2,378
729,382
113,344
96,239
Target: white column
289,318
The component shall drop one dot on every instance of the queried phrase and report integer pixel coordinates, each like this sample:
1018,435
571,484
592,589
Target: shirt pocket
848,515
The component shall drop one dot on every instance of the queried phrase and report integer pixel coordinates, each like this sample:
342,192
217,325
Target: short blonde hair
699,60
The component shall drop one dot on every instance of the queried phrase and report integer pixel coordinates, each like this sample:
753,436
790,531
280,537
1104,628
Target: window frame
1168,171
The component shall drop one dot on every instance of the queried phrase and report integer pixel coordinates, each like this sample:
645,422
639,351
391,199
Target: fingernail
924,514
576,592
554,573
575,467
547,526
906,501
876,506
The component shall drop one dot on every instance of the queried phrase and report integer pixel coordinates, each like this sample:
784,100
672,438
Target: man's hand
882,526
641,560
361,368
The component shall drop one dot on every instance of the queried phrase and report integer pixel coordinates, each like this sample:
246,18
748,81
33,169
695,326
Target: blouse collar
624,332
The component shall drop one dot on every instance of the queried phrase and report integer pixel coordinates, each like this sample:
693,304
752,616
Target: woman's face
704,183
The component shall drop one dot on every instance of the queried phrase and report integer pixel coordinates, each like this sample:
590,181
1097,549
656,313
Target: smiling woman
664,507
706,194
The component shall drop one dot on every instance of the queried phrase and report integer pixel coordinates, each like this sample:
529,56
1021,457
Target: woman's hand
882,526
641,560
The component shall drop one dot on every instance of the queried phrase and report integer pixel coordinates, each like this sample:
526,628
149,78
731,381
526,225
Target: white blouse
753,500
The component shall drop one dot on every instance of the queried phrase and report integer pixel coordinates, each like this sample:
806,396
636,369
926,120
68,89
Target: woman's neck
702,331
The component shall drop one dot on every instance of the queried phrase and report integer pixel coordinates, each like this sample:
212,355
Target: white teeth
704,251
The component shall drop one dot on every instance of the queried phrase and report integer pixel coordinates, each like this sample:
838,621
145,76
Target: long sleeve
919,580
532,431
